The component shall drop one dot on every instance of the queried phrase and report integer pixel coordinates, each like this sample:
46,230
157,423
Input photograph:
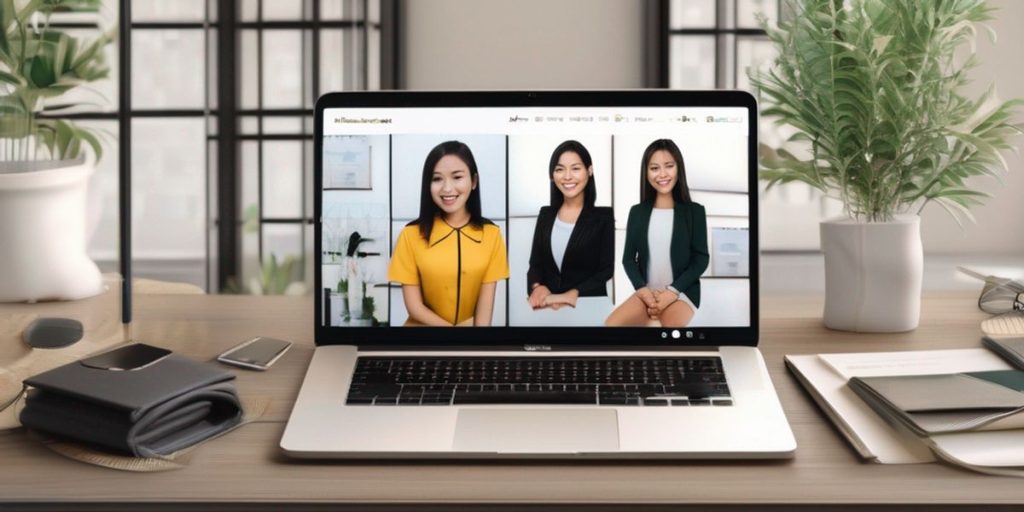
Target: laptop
560,274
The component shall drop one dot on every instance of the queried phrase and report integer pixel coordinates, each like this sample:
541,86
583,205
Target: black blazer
589,260
689,247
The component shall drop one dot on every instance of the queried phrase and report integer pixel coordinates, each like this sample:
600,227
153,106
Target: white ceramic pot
873,274
42,232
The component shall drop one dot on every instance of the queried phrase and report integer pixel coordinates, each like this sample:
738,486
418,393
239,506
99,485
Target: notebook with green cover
1011,349
942,404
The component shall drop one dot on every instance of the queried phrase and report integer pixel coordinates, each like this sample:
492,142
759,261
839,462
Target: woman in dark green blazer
666,248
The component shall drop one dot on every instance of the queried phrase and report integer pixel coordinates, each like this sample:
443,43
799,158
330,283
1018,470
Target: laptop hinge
536,347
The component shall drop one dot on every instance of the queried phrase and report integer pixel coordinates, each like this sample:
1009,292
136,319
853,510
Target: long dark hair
590,192
429,209
681,192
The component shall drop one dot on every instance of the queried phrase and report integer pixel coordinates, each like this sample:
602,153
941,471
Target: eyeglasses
1000,295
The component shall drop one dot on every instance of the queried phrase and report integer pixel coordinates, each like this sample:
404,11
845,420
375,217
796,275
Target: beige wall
523,44
1000,222
494,44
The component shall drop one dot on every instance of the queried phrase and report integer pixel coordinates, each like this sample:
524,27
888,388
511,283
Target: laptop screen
553,222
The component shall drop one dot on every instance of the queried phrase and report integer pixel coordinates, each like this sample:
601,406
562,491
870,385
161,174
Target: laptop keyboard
650,382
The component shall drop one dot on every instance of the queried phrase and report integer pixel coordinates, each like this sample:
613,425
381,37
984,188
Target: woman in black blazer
573,241
664,265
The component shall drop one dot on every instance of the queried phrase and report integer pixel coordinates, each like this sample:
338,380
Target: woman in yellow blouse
450,259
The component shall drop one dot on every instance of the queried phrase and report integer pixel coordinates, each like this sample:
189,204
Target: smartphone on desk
135,356
257,354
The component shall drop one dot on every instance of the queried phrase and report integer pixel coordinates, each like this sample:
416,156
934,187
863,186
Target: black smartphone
258,353
127,358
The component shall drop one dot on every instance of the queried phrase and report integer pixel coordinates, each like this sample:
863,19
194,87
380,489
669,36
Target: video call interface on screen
535,217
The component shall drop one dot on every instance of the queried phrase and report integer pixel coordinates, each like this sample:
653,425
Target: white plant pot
42,232
873,274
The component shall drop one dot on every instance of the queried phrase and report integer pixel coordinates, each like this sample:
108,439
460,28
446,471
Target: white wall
474,44
1000,222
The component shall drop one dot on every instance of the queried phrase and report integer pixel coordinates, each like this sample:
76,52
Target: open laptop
616,322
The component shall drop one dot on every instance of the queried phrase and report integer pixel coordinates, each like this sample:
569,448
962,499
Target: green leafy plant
39,64
276,277
251,219
874,92
368,305
368,308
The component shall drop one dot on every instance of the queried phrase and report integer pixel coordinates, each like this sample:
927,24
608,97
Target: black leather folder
160,404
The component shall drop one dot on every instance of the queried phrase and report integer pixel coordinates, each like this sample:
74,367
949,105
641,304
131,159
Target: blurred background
223,92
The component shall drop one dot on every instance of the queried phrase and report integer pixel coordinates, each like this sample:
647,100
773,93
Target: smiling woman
666,249
573,242
451,257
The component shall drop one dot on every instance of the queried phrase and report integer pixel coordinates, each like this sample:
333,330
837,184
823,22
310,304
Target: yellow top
451,267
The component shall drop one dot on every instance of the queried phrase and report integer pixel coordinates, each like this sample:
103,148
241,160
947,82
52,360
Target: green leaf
958,212
93,142
29,9
876,94
11,78
880,42
7,16
268,271
953,192
15,127
39,64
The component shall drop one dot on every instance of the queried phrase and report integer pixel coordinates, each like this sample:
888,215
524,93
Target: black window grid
223,247
727,34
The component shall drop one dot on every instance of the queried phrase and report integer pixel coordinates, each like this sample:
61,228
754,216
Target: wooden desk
246,467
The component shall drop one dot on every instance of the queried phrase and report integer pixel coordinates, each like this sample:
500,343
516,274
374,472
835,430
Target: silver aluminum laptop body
323,426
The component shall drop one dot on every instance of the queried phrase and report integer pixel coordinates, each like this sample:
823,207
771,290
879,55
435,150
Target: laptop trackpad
537,430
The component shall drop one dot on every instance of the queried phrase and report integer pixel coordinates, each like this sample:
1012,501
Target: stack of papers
887,439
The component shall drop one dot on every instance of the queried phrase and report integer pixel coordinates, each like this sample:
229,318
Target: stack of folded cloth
164,405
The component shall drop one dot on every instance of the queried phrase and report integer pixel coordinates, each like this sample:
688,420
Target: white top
560,234
659,241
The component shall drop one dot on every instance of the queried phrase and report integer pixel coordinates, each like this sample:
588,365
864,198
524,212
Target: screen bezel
576,338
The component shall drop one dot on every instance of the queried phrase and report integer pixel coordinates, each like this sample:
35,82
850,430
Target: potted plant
278,278
368,306
875,96
44,165
343,298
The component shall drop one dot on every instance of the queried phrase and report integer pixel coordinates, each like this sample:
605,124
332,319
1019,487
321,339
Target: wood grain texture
247,464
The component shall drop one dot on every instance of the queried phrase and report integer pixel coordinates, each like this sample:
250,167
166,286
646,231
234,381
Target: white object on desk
1007,324
825,377
915,362
1002,450
866,431
873,273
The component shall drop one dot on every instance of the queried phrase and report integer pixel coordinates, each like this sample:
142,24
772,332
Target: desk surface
247,466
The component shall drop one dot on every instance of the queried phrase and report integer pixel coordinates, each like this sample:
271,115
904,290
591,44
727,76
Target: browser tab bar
537,120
